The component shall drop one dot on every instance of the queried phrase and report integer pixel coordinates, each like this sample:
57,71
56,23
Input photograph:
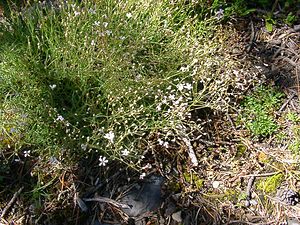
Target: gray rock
177,217
144,197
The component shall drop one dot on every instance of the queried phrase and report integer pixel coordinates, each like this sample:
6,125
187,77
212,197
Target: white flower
180,87
147,166
164,101
105,24
60,118
52,86
158,107
160,142
26,153
110,136
128,15
108,32
220,14
166,144
83,146
96,23
92,11
93,43
102,161
188,86
171,97
184,69
76,13
142,176
125,152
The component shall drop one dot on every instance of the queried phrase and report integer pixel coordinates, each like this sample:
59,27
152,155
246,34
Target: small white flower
110,136
158,107
128,15
125,152
96,23
60,118
26,153
105,24
147,166
160,142
122,38
172,97
166,144
188,86
83,146
76,13
180,87
108,32
102,161
93,43
92,11
220,13
164,101
52,86
142,176
184,69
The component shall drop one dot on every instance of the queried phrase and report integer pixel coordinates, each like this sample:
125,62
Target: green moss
230,195
240,150
199,183
193,179
292,116
270,184
175,187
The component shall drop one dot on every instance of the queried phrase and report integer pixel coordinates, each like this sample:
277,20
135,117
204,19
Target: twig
230,120
252,37
11,202
261,175
245,222
107,200
191,152
297,79
249,190
287,101
289,61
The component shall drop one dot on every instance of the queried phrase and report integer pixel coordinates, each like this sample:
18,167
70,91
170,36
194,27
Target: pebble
177,217
216,184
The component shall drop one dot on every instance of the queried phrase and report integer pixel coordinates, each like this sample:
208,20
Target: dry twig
11,202
107,200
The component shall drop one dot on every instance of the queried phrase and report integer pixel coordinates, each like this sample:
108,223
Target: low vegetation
134,85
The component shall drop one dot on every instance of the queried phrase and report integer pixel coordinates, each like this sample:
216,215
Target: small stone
216,184
177,217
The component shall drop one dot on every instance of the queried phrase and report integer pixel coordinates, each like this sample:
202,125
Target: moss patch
270,184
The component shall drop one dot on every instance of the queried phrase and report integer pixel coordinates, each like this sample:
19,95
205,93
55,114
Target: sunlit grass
131,68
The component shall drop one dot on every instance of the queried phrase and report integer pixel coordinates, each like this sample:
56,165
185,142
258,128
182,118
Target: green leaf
269,26
248,11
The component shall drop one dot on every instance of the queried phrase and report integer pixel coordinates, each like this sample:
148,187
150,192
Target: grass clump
102,77
258,111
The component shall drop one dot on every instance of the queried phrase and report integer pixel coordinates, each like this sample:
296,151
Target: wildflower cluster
113,78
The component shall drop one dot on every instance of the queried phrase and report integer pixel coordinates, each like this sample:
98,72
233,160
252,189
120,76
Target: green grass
76,73
103,82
